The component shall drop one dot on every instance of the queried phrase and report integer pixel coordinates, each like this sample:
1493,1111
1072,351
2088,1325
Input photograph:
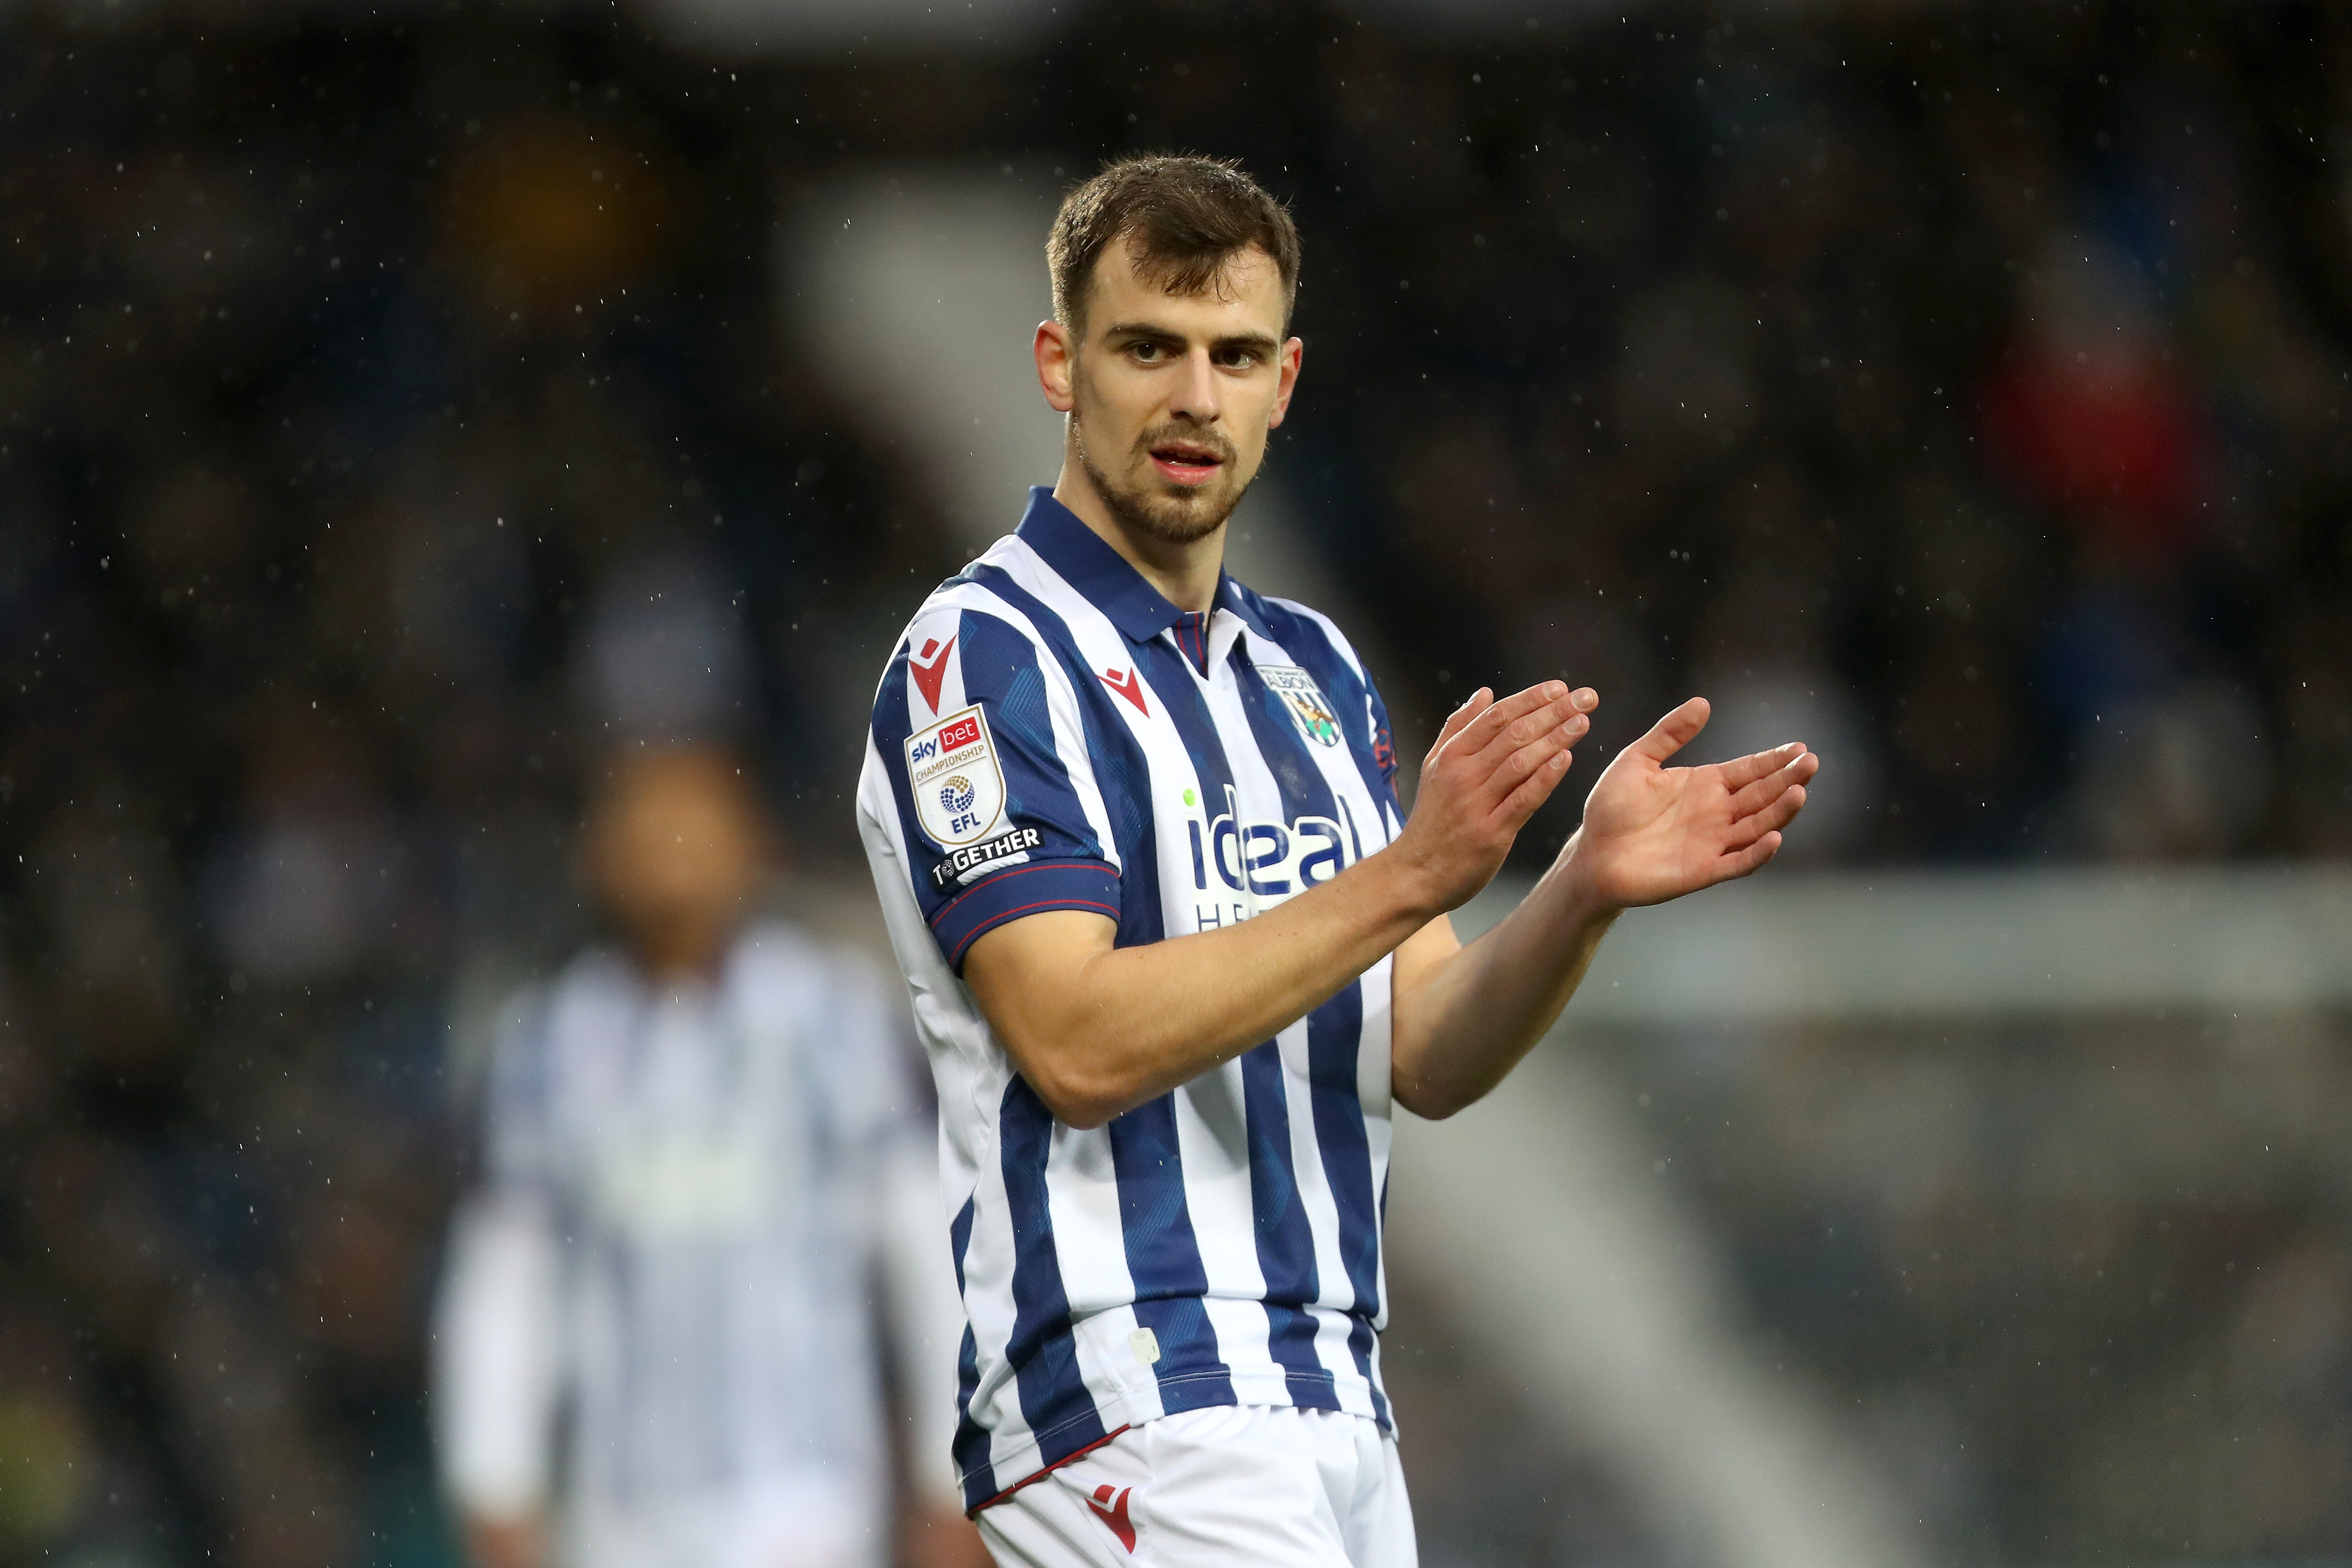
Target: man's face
1170,395
675,849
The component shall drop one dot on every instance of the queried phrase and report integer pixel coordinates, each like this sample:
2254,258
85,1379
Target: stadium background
399,408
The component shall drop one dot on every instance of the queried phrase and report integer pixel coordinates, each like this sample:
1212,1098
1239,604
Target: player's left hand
1652,833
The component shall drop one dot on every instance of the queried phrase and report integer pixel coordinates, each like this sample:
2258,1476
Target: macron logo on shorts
1115,1514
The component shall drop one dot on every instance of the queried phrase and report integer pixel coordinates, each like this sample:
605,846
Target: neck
1185,573
677,956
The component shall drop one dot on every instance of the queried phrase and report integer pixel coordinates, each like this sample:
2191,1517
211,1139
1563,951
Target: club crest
952,770
1308,708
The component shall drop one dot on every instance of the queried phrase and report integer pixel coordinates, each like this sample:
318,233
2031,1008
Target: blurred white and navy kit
659,1322
1052,733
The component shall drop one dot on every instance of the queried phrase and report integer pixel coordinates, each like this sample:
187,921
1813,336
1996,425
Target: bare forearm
1098,1029
1464,1024
1464,1016
1125,1024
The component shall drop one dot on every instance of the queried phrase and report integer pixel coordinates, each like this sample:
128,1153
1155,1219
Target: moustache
1211,441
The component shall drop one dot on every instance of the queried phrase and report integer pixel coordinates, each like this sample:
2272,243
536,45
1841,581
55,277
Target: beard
1156,509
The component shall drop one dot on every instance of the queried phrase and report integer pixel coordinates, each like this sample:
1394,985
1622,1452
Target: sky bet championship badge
1305,700
959,789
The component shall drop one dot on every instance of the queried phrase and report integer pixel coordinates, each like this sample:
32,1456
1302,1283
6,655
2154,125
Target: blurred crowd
2083,1288
393,418
1965,393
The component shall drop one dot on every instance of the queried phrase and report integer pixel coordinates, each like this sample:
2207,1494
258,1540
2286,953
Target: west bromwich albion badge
958,788
1305,700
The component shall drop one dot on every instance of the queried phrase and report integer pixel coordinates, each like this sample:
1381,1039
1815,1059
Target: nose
1196,392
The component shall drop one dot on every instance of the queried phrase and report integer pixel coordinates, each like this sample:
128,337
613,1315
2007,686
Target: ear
1056,353
1293,353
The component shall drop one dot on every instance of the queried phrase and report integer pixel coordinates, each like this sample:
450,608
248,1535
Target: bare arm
1464,1016
1098,1029
518,1543
494,1374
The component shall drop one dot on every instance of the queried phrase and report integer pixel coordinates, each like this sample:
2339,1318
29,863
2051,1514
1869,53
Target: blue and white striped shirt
666,1278
1052,733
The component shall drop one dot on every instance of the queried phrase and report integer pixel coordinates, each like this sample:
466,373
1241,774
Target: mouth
1183,463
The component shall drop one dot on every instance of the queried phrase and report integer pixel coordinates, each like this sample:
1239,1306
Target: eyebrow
1258,340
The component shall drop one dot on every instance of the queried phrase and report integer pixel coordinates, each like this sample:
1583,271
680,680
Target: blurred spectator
664,659
706,1145
313,875
2091,413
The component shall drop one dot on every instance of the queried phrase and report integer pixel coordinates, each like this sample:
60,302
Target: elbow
1082,1115
1434,1084
1429,1102
1078,1098
1080,1109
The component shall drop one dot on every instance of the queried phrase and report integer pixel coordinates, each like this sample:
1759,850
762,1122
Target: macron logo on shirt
1127,684
930,668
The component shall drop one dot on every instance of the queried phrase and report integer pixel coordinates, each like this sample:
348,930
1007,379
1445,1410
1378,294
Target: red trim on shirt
1041,1475
1197,623
998,919
949,908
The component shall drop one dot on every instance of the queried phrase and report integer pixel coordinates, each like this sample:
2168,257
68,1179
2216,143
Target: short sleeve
995,793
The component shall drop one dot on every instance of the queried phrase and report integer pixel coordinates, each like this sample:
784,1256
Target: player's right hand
1493,764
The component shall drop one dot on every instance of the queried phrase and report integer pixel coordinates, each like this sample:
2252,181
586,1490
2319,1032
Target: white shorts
1266,1487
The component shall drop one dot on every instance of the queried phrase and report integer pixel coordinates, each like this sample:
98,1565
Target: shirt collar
1086,563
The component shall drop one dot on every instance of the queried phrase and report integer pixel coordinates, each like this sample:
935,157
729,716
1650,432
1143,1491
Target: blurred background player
703,1149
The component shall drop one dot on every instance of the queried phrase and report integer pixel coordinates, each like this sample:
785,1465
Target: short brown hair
1183,217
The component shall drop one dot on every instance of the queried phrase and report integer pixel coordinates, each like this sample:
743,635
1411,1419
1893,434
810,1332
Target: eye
1239,359
1147,353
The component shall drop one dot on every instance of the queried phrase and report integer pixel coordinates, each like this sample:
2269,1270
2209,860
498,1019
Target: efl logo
952,772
